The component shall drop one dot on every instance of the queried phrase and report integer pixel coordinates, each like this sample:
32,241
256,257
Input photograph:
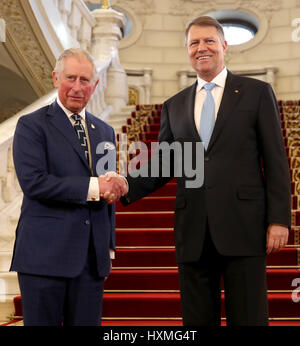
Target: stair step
149,204
145,219
166,305
134,279
169,189
142,280
140,237
144,258
159,322
158,257
163,219
156,237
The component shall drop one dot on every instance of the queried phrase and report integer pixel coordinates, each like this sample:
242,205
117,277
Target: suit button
87,222
206,158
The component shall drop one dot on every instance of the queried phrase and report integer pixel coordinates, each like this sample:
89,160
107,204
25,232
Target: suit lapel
94,139
61,122
190,107
232,94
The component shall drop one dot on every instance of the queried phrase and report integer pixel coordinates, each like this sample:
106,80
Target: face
75,83
206,51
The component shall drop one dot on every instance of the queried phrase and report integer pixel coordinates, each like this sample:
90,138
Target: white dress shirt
217,94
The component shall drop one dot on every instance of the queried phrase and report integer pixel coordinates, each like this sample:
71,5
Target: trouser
56,301
244,278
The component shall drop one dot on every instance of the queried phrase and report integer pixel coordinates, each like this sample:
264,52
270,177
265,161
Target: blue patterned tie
81,134
207,121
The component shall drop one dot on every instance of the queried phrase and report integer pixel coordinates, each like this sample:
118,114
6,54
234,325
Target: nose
201,46
76,85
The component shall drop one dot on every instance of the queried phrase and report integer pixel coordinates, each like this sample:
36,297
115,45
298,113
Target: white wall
159,43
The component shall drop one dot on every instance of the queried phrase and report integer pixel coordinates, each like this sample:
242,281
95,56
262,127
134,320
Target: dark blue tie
81,134
207,121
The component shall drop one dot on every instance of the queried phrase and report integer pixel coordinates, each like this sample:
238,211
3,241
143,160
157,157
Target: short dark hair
205,21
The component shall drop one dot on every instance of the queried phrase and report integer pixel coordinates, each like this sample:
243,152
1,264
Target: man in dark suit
66,230
226,227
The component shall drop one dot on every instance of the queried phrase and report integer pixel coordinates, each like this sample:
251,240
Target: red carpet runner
143,286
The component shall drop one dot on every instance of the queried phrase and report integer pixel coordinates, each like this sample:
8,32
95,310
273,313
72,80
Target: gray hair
75,52
205,21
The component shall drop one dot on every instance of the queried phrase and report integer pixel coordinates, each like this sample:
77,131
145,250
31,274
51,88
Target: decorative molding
141,80
180,7
145,7
24,46
142,7
267,74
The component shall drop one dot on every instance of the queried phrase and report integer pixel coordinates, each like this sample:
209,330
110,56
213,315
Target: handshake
112,186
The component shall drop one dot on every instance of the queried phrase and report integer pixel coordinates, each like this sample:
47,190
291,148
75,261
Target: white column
106,38
148,84
183,79
270,76
2,30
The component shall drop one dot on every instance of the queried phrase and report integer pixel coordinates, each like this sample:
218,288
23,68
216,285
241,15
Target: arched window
239,27
238,32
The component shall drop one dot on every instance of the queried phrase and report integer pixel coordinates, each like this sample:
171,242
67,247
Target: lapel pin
93,126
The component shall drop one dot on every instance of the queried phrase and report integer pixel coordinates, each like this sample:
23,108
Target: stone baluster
74,20
106,38
65,7
183,79
9,188
55,3
79,20
3,172
85,34
270,75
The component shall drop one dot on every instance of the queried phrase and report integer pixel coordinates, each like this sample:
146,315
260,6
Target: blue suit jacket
56,220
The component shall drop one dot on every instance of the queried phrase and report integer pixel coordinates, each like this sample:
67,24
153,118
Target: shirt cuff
112,254
93,192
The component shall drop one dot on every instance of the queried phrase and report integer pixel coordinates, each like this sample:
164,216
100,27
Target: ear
225,45
55,79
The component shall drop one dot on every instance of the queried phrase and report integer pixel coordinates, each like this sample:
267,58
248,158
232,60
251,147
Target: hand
112,186
277,237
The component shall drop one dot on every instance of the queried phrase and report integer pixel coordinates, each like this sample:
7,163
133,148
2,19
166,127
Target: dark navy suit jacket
56,221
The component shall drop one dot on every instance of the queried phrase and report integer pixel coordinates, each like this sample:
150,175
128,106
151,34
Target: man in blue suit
66,232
